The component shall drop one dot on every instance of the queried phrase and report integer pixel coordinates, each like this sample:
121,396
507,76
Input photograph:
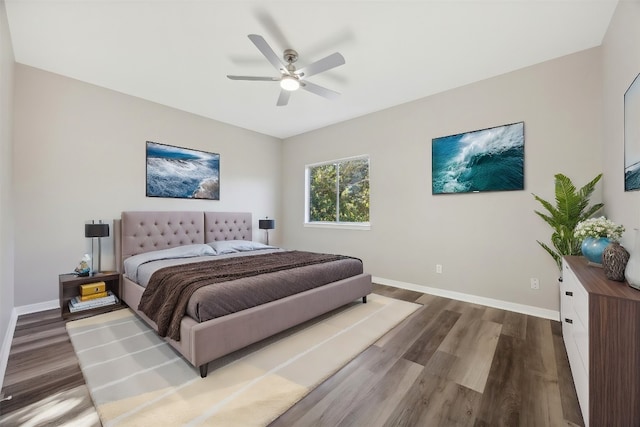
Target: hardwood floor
43,377
451,363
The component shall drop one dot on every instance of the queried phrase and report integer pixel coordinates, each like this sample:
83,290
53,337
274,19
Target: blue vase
592,248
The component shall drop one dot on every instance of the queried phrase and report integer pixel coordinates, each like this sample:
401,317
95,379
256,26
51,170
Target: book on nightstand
93,296
75,304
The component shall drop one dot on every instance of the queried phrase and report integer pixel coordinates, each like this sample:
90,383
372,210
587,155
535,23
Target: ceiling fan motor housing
290,56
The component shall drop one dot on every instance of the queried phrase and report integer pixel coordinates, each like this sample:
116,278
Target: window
338,192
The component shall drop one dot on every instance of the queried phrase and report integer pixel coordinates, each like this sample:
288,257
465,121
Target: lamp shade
267,224
96,230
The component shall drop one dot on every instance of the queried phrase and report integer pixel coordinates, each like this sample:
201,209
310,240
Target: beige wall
486,242
79,154
6,190
621,59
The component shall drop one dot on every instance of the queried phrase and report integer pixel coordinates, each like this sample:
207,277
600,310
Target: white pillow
231,246
132,263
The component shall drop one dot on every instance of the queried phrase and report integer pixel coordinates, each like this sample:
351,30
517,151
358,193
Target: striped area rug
136,379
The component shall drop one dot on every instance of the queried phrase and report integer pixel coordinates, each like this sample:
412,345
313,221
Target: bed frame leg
364,299
204,370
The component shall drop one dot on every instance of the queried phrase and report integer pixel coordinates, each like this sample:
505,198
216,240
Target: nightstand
70,287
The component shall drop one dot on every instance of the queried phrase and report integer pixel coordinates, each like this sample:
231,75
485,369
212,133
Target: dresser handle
569,293
566,319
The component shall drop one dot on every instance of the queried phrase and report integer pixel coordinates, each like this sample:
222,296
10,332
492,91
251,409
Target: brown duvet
215,288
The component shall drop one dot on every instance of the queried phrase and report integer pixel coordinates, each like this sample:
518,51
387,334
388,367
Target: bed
143,233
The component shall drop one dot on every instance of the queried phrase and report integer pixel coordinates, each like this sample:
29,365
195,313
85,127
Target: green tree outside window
339,191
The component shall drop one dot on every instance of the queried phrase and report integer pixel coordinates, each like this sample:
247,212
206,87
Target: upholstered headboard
227,226
144,231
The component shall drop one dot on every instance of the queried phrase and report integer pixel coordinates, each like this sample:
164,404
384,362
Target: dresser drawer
581,323
581,381
581,304
581,338
567,290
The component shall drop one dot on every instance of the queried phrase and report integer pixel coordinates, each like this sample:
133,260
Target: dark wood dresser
601,330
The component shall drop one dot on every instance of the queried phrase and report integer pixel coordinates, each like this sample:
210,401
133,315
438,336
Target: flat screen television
489,159
182,172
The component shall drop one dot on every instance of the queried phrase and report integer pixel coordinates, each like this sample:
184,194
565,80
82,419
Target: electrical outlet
439,268
535,284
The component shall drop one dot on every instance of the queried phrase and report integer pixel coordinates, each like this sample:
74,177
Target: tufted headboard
227,226
144,231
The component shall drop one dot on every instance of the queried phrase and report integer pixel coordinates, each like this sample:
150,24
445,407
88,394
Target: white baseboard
6,345
8,337
35,308
474,299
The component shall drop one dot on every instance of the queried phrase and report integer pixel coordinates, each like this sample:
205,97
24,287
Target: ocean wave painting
632,136
483,160
182,173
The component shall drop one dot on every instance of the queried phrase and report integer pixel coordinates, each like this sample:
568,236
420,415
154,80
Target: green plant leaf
571,207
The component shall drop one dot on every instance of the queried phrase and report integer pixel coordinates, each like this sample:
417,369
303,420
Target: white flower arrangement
598,227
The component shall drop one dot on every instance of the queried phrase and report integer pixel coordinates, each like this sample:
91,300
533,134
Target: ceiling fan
290,78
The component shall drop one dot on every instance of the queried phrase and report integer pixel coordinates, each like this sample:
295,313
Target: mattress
231,296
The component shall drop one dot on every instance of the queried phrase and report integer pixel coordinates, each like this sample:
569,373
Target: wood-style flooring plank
473,341
385,396
42,364
435,401
33,390
29,364
541,401
432,337
402,337
541,356
568,396
502,396
351,370
494,315
515,325
347,396
396,293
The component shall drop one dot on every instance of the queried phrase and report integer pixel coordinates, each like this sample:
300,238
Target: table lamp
94,231
267,224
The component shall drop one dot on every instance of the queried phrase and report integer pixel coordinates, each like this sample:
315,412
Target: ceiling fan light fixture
289,83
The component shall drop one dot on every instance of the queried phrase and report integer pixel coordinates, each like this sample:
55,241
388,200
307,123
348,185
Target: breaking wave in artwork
632,177
486,160
176,172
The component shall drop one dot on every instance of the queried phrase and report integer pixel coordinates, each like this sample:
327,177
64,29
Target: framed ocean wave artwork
632,136
489,159
183,173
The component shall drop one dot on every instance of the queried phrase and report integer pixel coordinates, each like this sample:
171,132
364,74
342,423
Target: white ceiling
178,52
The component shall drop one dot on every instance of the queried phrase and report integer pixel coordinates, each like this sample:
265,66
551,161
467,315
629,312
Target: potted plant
571,207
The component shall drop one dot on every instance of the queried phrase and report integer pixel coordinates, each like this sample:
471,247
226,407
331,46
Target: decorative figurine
83,269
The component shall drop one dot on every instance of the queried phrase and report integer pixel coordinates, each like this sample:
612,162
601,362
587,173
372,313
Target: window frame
307,196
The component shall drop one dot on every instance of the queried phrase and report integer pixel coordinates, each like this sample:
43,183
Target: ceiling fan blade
268,53
266,79
283,99
324,64
319,90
